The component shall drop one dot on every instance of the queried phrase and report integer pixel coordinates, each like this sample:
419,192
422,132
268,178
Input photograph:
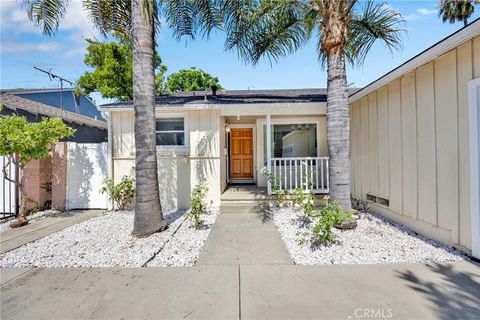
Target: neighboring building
414,141
66,100
88,129
42,178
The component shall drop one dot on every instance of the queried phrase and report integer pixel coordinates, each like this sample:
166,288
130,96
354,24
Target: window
291,140
170,132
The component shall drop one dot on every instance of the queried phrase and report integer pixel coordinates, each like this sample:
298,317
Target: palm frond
267,28
376,22
110,15
46,14
187,17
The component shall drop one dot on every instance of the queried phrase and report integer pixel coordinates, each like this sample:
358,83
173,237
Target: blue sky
22,46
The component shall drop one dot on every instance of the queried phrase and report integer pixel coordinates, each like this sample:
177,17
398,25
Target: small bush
123,194
324,220
304,199
275,183
197,203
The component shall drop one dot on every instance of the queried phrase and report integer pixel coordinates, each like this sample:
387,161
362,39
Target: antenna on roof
52,77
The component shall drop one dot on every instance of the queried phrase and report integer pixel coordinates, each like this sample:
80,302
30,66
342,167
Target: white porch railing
307,172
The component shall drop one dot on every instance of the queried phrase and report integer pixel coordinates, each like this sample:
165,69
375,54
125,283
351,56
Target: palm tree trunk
338,129
148,211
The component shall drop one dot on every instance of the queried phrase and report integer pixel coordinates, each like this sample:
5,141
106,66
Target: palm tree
138,19
274,29
456,10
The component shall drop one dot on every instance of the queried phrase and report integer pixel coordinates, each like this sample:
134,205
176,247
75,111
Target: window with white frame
170,132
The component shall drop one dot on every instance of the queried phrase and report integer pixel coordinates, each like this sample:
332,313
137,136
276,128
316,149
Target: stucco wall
409,144
179,170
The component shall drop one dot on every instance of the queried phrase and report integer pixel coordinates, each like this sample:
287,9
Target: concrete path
15,238
243,236
410,291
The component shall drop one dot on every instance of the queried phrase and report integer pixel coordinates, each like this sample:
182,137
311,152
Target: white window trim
183,115
291,121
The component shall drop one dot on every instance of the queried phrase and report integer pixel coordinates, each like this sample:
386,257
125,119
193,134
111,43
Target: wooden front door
241,153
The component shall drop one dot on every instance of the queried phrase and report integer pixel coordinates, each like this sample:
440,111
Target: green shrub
325,219
278,193
197,203
123,194
304,199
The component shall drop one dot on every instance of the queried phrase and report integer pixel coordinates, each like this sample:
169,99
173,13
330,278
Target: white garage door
86,169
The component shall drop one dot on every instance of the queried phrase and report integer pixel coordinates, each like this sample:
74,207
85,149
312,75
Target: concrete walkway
243,235
410,291
244,272
15,238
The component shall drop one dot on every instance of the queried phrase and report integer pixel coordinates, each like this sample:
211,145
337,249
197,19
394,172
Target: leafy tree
456,10
22,141
140,20
112,70
191,80
343,30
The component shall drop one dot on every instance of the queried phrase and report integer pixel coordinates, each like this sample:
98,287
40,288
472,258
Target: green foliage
30,140
197,203
304,199
325,219
191,80
275,29
112,73
276,190
456,10
123,194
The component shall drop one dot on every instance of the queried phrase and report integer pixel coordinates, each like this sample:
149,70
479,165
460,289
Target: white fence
307,172
86,169
8,189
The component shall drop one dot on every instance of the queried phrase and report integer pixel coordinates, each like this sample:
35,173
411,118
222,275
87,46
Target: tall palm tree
138,19
456,10
274,29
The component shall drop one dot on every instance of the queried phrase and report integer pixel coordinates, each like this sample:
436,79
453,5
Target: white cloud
15,47
426,11
14,18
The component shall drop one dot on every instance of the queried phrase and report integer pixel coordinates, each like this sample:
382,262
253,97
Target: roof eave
436,50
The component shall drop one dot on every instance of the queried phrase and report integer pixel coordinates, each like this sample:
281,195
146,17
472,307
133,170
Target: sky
23,46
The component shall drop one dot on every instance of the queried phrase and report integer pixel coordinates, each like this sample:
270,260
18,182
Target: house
225,139
89,128
45,180
64,99
414,141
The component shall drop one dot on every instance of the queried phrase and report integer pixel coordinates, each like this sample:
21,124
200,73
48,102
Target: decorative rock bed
376,240
105,241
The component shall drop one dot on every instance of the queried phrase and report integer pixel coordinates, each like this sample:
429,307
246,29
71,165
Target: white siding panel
373,138
464,73
365,147
447,138
395,145
409,146
383,159
427,190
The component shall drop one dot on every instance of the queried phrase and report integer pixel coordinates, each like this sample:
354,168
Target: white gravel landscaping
105,241
375,240
37,216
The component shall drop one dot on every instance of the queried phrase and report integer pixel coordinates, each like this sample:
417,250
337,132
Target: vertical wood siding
410,144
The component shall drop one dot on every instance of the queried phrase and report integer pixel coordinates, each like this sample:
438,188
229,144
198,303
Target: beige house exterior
414,141
204,151
410,141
